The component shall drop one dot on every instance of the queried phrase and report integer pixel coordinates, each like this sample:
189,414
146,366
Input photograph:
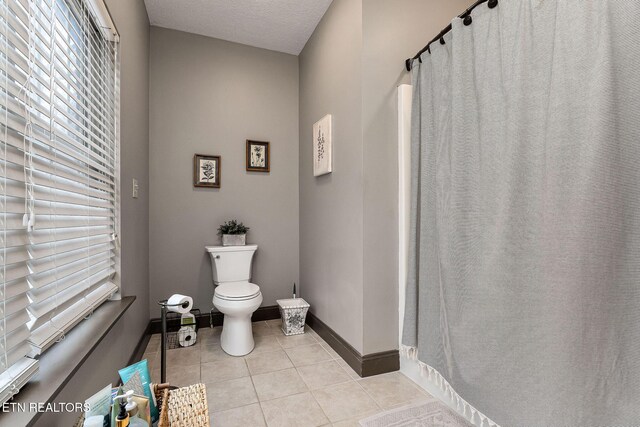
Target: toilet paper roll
179,303
187,336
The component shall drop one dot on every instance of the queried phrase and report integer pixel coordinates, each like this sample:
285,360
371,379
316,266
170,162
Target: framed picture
322,146
258,156
206,171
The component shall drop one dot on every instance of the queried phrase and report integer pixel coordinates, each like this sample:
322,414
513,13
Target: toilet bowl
237,336
235,296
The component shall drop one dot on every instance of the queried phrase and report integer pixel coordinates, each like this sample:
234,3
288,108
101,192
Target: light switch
135,188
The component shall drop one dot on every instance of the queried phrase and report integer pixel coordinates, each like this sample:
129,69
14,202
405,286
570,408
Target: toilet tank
231,263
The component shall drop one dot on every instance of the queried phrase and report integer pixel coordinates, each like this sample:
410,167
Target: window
59,111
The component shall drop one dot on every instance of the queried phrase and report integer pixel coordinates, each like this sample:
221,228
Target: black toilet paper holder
164,304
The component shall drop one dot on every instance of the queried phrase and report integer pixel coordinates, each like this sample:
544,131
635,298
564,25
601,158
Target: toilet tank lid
231,248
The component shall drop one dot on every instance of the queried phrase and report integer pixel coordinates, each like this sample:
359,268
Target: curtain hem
434,377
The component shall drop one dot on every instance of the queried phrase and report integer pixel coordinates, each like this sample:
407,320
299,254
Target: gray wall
114,351
208,96
331,206
351,68
392,32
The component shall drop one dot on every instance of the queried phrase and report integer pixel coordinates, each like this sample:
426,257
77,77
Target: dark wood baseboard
204,320
270,312
343,348
365,366
380,363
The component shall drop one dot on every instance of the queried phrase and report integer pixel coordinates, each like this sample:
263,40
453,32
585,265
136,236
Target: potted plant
233,233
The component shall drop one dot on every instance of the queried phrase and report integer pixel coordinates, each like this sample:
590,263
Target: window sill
61,361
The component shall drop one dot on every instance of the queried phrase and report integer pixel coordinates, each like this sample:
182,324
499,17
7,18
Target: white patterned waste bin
293,312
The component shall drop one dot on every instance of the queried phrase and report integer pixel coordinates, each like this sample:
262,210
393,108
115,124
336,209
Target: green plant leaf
232,227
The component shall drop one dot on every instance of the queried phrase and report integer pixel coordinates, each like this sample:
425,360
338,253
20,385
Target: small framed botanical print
206,171
322,146
258,156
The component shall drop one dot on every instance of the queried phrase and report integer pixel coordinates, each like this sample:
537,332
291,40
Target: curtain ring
492,4
442,40
467,20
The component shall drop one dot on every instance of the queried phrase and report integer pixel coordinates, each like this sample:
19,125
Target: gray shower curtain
524,271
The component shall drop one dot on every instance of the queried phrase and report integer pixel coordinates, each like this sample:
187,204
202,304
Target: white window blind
59,116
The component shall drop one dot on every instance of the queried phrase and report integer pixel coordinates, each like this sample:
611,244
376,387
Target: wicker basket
161,391
80,421
182,407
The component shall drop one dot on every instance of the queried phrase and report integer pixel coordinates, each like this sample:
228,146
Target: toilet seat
237,291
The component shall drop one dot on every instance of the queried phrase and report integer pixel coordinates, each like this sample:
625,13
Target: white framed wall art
322,163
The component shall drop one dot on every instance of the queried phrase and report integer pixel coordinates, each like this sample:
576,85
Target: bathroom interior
320,213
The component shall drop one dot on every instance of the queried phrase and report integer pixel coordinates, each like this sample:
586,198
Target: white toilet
234,295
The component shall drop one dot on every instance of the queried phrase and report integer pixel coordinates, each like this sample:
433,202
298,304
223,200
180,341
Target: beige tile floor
295,381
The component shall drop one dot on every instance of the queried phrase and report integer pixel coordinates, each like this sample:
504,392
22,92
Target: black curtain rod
466,15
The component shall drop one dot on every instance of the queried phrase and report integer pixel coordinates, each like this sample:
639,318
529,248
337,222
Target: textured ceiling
281,25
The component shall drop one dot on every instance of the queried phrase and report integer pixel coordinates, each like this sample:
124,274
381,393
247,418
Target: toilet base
237,336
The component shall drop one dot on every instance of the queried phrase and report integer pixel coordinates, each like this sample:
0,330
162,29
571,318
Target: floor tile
348,369
181,376
266,343
308,330
392,389
231,394
275,323
153,360
223,370
261,329
153,345
207,336
155,375
299,410
278,384
296,380
307,355
213,353
151,355
344,401
268,362
323,374
245,416
185,356
329,350
296,340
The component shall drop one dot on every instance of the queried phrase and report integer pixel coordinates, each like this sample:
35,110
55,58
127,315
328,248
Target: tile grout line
264,417
313,395
350,379
211,414
296,368
320,406
308,390
370,396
